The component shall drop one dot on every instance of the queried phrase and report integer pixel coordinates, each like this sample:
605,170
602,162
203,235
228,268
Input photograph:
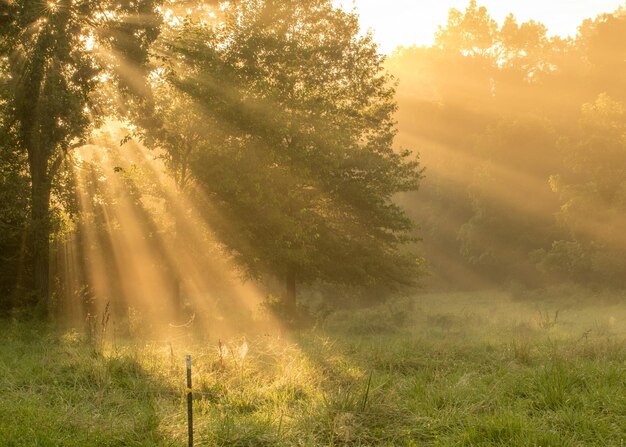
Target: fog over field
256,223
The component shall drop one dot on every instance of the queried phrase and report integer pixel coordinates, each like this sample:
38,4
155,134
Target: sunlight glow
52,6
141,263
415,22
88,42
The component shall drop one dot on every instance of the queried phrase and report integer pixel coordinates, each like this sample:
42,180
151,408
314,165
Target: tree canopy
293,142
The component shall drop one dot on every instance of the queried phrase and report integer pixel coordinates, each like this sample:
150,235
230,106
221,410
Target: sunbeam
158,257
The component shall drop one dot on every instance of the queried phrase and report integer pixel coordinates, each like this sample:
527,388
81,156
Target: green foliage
14,216
292,143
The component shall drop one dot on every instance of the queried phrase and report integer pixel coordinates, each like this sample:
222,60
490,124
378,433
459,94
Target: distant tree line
524,141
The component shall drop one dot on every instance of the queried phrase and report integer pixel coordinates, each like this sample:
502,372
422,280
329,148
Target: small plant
91,327
346,426
222,352
106,316
548,320
96,330
135,322
520,348
243,351
172,358
554,387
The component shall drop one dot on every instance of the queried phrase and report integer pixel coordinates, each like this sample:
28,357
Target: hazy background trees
522,136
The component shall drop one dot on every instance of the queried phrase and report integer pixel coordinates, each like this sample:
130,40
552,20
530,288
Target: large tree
56,53
294,143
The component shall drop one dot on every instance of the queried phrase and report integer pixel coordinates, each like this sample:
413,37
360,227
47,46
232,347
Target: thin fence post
189,402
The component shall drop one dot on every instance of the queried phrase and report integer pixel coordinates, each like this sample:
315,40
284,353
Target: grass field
477,369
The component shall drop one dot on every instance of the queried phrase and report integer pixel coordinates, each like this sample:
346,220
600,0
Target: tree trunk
174,267
290,291
40,221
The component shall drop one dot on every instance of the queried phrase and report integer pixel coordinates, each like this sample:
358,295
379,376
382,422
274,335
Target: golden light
89,42
138,260
414,22
52,6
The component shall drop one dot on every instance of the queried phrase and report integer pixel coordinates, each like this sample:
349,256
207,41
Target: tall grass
477,369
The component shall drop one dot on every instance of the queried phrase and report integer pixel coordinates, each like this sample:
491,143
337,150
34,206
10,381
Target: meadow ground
479,369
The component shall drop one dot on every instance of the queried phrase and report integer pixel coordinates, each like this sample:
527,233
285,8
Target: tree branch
56,164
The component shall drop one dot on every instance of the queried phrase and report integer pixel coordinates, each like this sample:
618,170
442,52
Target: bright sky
408,22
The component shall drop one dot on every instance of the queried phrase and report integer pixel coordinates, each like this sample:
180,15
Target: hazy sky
407,22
